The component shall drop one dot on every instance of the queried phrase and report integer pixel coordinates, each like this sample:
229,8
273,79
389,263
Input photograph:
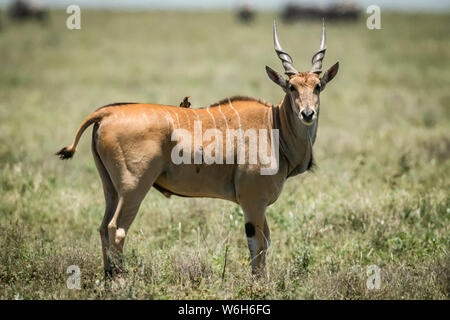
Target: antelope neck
296,139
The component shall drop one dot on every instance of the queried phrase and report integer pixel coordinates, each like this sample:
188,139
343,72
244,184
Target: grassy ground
378,197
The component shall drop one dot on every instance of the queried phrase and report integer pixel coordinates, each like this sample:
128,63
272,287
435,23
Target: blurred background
402,5
379,195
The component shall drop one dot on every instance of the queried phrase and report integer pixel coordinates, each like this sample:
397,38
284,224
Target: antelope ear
276,77
329,75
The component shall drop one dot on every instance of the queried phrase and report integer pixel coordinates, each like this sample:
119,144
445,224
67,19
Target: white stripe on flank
196,115
167,118
171,118
225,118
178,121
227,136
237,113
214,120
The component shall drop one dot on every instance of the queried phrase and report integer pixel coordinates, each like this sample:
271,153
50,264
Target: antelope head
303,88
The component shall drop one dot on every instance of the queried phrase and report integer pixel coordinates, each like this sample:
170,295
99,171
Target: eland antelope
133,143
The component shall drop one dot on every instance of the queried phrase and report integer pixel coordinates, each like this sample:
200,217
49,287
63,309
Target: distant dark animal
245,14
342,11
293,12
26,9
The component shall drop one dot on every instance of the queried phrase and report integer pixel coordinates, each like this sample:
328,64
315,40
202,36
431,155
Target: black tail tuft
65,153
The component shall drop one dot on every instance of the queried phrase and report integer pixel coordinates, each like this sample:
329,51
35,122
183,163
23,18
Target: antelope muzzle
307,116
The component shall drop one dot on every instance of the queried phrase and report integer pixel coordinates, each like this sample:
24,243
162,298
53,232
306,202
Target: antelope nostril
307,114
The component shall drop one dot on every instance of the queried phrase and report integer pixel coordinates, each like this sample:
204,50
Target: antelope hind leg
130,200
111,200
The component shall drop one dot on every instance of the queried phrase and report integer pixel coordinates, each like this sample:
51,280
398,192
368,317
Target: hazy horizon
400,5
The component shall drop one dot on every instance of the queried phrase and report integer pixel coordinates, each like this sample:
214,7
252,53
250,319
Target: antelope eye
317,88
291,87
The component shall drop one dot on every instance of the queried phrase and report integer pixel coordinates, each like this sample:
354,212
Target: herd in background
293,12
23,10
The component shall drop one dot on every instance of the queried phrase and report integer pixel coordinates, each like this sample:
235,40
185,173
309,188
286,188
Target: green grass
380,194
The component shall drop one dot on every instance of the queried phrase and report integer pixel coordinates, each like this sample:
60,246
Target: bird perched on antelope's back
185,103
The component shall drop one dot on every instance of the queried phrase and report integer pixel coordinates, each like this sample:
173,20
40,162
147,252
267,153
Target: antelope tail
67,152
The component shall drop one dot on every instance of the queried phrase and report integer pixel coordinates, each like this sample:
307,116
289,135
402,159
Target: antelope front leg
258,236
